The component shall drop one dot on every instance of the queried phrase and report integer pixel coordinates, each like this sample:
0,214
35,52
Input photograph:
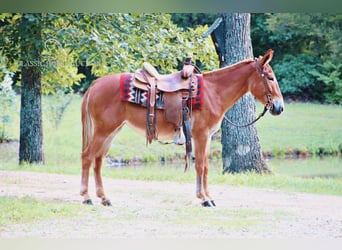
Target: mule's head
264,85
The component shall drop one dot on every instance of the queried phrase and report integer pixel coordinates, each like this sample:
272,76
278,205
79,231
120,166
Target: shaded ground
144,209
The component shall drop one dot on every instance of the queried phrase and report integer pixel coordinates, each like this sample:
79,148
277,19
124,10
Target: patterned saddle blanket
129,93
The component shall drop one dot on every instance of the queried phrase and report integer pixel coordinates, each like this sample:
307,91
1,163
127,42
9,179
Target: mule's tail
87,123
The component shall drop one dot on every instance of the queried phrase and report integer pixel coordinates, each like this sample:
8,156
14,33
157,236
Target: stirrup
179,138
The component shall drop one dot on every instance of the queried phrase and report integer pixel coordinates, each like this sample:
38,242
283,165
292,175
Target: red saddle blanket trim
129,93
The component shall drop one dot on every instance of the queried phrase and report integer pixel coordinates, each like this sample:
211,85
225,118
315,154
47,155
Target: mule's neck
227,85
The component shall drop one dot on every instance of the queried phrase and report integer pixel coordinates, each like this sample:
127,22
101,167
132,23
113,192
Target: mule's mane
229,67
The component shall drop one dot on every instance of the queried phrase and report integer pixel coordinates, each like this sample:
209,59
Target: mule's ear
267,57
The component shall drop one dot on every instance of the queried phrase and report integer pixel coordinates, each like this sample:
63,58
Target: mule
104,114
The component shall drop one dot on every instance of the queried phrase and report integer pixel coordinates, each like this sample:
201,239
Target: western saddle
177,89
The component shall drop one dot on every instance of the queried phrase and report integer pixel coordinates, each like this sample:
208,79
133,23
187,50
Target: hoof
207,204
106,203
87,202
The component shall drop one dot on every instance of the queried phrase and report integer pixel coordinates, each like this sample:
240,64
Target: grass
236,219
25,211
302,126
14,210
313,167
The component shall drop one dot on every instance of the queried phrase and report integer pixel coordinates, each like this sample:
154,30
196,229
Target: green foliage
60,71
9,40
7,105
301,38
260,36
57,105
31,43
331,75
122,42
54,61
192,20
316,34
104,43
294,77
100,44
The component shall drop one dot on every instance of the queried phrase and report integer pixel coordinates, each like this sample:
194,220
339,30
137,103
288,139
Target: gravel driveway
151,209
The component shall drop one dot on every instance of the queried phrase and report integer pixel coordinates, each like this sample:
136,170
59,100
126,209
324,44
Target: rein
267,105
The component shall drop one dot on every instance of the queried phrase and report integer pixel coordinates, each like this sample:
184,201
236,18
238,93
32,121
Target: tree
241,150
31,129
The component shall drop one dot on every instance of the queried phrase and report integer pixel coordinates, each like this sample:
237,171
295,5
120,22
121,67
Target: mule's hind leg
86,163
97,172
98,182
94,152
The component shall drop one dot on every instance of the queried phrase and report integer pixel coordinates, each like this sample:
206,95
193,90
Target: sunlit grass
236,219
303,126
14,210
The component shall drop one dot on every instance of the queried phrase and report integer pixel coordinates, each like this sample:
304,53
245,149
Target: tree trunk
241,149
31,130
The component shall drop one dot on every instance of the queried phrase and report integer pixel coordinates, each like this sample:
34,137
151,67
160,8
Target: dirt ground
154,209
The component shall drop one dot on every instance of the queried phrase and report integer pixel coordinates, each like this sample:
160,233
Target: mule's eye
270,78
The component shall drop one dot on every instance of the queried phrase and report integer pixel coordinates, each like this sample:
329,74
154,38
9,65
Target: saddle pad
129,93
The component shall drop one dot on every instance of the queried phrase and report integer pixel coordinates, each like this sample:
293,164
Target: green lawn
15,210
302,126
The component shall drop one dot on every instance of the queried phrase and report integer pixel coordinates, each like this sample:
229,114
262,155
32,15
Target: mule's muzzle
277,108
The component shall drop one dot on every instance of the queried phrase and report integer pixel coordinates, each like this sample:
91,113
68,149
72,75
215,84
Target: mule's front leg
199,191
201,185
205,181
202,144
98,182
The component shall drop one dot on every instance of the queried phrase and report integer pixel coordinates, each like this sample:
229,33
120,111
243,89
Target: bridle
268,104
